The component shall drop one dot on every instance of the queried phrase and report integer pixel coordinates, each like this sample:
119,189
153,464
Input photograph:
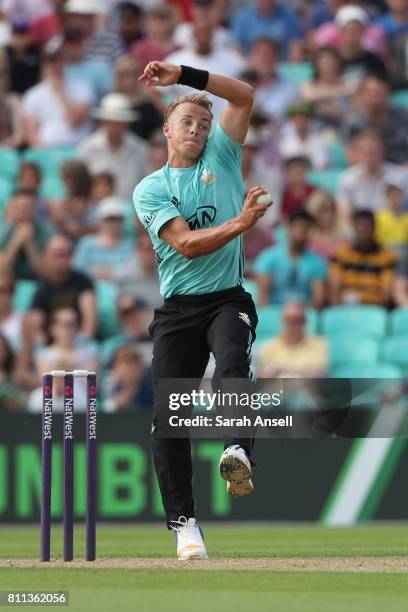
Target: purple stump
46,456
91,469
68,467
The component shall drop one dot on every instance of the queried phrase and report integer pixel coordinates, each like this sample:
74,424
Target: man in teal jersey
195,213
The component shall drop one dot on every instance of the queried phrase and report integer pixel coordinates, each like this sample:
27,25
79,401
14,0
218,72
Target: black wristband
193,77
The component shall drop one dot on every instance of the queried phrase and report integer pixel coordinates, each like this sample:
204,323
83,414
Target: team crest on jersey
148,219
207,176
245,318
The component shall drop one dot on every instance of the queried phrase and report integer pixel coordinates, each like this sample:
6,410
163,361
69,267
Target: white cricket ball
265,199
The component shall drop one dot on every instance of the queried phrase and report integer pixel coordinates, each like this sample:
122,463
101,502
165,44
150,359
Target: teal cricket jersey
206,195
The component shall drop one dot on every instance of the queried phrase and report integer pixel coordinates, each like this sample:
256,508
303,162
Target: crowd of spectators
328,138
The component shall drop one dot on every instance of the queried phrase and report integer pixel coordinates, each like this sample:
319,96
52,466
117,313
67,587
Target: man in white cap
102,43
113,147
352,22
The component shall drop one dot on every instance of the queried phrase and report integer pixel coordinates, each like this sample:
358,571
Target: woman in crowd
68,346
325,234
326,91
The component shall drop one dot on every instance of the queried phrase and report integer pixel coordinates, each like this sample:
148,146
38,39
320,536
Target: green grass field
187,587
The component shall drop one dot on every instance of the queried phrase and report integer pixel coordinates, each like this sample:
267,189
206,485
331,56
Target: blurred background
327,267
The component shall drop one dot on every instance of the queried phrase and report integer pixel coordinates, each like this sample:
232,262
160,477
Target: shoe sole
198,555
239,488
233,469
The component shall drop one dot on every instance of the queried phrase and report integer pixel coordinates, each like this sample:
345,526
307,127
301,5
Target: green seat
363,319
129,227
296,73
23,294
394,350
376,371
251,287
338,155
325,179
6,191
399,321
49,159
270,322
280,233
106,295
109,347
400,98
353,349
52,187
9,163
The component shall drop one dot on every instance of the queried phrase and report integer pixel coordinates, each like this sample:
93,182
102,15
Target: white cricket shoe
189,537
235,467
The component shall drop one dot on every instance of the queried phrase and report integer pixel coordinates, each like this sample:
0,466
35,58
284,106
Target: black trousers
185,330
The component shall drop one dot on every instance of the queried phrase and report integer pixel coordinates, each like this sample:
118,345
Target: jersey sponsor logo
245,318
175,201
204,215
148,219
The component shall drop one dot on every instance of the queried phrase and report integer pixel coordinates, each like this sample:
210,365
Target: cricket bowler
195,213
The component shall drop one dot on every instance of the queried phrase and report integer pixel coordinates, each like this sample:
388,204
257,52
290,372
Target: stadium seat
352,349
362,319
106,295
9,163
394,350
23,294
280,233
129,226
52,187
296,73
400,98
376,371
270,322
399,321
6,190
338,155
325,179
49,159
109,347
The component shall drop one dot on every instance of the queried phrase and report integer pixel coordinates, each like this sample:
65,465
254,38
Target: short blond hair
198,98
